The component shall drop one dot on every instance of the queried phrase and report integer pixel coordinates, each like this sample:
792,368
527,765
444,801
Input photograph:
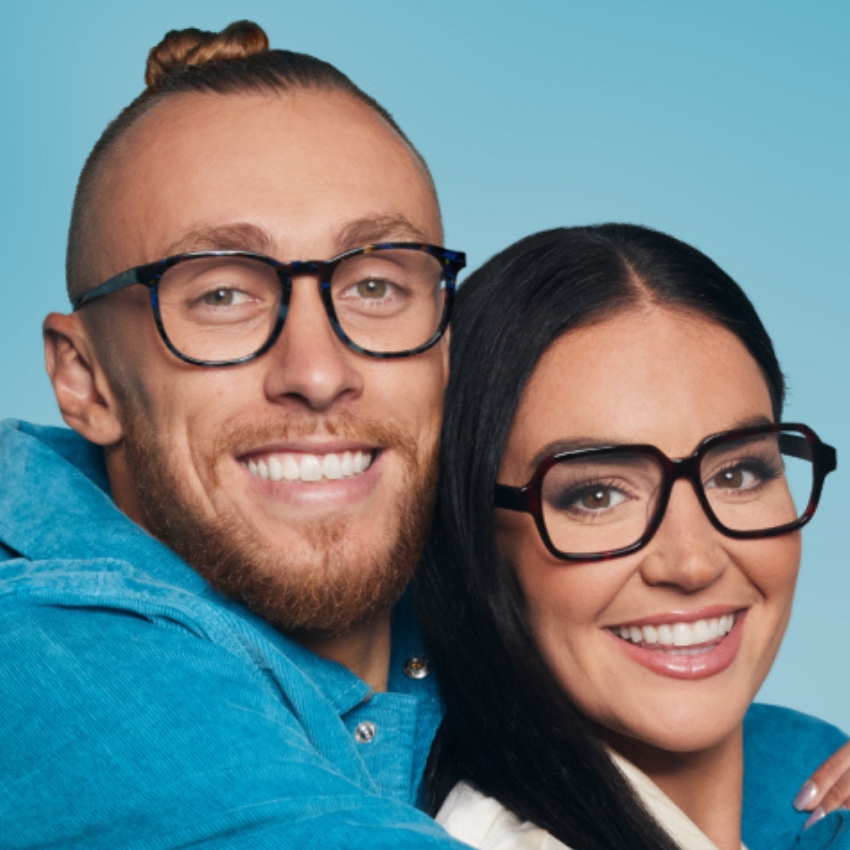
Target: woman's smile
681,649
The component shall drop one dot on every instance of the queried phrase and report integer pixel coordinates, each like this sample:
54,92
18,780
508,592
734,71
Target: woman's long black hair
509,729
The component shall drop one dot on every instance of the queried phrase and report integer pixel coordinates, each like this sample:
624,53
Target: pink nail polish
805,796
814,817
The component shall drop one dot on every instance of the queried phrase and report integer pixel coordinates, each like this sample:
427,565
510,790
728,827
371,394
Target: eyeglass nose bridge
675,469
297,268
323,271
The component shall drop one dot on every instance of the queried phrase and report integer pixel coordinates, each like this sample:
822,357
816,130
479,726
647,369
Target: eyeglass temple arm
511,498
800,447
120,281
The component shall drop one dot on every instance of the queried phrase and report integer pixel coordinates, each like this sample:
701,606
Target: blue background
726,124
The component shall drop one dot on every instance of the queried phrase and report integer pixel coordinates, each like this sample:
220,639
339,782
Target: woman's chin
664,747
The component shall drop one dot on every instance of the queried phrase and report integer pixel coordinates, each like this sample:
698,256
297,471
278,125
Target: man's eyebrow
245,236
229,237
381,228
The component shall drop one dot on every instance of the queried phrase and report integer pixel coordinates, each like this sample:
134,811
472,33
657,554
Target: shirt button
365,732
417,667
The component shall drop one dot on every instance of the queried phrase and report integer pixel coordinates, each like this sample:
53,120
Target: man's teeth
302,467
678,635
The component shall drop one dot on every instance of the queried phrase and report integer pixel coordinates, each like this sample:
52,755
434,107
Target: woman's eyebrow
752,422
571,444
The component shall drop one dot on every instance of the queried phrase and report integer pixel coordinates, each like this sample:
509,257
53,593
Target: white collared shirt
485,823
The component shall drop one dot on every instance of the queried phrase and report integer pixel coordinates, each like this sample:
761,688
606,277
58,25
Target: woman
602,628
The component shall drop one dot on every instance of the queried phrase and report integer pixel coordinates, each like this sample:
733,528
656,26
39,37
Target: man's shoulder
56,511
105,600
24,444
127,699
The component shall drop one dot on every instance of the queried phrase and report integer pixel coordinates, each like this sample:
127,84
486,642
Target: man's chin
327,583
330,577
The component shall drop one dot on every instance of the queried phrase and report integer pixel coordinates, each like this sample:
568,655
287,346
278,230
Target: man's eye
224,297
372,289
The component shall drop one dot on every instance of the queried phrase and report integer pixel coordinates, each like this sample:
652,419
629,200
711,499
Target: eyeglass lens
607,500
226,308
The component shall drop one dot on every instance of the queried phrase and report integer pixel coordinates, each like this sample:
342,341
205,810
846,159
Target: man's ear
79,382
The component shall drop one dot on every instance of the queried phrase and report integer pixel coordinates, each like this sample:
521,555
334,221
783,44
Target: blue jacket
140,709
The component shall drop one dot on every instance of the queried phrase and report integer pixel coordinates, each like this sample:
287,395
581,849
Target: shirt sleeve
119,729
782,748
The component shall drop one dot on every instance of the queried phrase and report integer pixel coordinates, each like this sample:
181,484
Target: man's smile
305,467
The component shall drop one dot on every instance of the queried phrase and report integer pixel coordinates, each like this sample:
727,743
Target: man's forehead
248,236
305,176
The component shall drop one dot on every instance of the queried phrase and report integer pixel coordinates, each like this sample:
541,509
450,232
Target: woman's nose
686,552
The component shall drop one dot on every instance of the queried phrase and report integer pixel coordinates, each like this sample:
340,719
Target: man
275,427
152,710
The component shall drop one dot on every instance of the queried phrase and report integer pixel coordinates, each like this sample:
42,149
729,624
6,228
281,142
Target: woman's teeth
678,635
287,466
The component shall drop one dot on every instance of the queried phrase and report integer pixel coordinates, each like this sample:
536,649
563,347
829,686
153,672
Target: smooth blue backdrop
727,124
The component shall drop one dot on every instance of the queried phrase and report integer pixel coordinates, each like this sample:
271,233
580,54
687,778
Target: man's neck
365,651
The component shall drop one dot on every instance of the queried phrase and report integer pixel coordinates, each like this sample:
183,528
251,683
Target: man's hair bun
181,49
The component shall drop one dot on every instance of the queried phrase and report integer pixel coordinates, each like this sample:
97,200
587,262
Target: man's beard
330,586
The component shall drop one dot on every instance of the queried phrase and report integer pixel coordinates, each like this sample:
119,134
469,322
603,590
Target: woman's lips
684,649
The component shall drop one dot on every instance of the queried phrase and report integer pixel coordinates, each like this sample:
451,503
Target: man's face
299,177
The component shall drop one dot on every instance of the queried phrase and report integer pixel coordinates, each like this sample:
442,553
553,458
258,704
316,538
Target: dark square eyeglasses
599,503
220,308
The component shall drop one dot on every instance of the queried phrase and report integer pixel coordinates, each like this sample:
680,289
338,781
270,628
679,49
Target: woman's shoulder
483,822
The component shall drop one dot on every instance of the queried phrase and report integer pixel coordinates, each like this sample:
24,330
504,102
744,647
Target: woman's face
668,379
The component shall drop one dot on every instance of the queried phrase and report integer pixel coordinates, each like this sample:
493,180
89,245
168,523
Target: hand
828,788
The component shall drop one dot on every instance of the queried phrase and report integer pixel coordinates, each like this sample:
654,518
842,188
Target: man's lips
308,466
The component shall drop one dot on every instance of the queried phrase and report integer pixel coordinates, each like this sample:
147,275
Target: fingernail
815,816
805,796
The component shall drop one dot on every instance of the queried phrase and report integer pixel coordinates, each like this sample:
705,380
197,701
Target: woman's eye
592,499
599,498
734,478
372,289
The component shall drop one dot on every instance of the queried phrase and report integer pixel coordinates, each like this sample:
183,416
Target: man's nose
686,552
309,363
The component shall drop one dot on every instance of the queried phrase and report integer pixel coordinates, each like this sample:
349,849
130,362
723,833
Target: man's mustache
242,439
